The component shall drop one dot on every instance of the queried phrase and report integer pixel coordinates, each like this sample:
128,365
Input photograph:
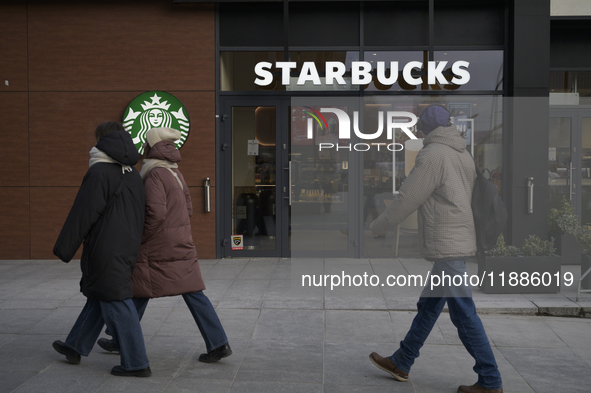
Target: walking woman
167,263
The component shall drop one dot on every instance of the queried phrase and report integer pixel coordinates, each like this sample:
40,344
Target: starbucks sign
155,109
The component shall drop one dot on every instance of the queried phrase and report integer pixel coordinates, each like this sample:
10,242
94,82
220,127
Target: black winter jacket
111,241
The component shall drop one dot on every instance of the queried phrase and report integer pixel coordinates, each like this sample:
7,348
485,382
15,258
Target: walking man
108,218
440,187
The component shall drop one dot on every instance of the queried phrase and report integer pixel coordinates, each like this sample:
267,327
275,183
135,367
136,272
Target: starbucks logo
155,109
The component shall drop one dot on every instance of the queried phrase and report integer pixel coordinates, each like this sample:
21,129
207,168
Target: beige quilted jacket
440,187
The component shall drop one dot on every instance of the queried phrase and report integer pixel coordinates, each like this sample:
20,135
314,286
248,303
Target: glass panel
486,67
485,70
559,160
402,57
320,183
586,172
237,71
385,169
576,86
319,59
253,176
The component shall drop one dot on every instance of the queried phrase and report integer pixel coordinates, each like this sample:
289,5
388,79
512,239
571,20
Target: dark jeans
120,317
463,315
204,314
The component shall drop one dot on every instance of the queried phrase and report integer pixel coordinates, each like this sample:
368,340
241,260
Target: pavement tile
74,383
359,326
522,332
18,321
282,270
576,333
282,294
30,304
191,385
259,269
244,294
273,387
226,269
12,380
550,370
296,326
134,385
273,361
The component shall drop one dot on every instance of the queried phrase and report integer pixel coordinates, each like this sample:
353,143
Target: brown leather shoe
386,365
477,389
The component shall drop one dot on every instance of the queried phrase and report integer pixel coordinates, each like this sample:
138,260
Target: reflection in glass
319,184
586,172
559,160
478,117
573,82
253,176
319,59
486,70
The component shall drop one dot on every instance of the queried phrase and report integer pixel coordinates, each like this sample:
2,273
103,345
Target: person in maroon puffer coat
167,263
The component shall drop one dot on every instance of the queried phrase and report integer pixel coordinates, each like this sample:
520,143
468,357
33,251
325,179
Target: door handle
570,182
530,195
207,186
289,179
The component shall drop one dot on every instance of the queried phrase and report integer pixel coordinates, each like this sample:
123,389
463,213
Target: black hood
119,146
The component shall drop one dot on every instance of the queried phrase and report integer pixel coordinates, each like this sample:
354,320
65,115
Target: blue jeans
204,314
120,317
463,315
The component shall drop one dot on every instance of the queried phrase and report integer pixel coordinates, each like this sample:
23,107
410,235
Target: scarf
97,156
151,163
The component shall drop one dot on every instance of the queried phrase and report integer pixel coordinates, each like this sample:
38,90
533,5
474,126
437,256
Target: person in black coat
108,219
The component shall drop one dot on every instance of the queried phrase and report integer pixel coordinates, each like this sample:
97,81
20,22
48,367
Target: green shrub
584,238
502,250
534,246
563,221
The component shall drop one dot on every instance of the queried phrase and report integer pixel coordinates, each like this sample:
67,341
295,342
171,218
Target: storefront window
570,88
485,69
479,118
319,59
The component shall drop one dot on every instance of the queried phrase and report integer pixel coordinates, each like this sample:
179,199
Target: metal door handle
530,195
289,187
207,195
570,182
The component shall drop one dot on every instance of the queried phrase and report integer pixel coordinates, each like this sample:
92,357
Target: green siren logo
155,109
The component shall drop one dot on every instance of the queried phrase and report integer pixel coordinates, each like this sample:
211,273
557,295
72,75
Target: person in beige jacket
167,263
440,188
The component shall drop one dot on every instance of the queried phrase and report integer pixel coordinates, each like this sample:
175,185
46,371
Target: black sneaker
71,355
222,352
120,372
108,345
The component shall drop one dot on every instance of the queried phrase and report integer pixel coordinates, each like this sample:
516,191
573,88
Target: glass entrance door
253,211
281,195
569,160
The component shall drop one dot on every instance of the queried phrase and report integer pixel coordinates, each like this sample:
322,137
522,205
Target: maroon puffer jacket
167,262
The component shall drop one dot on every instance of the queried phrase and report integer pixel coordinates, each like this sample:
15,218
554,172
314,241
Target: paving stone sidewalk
288,339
